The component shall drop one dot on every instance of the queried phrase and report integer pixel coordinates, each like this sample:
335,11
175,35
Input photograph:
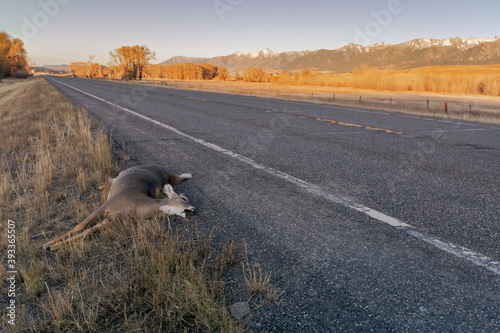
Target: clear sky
64,31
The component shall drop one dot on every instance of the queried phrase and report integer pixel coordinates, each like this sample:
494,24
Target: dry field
454,80
471,93
137,275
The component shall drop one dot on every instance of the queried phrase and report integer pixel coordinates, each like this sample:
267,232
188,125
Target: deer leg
87,232
176,180
94,216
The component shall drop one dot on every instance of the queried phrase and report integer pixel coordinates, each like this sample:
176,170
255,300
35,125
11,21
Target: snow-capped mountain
364,48
266,53
462,44
265,58
411,54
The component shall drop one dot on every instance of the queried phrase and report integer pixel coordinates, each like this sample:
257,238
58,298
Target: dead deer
133,191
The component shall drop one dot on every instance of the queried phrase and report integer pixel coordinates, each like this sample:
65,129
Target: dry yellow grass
456,80
138,275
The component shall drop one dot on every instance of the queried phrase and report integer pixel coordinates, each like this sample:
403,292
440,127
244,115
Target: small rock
239,310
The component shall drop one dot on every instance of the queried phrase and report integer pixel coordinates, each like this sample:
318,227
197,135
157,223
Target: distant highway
368,220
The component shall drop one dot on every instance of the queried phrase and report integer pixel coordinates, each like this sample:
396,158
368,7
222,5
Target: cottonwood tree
17,57
132,59
4,50
209,71
94,69
13,57
255,74
223,74
78,68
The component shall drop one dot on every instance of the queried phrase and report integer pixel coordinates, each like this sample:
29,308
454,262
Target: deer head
175,204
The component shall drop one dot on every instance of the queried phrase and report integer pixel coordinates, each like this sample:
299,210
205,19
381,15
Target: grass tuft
257,281
81,180
33,279
231,255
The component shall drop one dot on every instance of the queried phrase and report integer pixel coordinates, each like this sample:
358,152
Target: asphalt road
368,220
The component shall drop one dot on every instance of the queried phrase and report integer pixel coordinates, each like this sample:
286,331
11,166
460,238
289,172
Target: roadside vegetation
186,71
137,275
13,59
456,80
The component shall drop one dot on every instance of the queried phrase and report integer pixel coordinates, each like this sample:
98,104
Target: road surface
368,220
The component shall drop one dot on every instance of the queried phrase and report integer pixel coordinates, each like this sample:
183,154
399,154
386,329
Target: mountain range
416,53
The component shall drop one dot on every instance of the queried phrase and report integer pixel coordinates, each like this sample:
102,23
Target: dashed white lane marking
456,250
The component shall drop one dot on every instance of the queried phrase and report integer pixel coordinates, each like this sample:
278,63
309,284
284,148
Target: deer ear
168,190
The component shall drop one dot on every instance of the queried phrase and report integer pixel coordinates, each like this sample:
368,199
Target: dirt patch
10,88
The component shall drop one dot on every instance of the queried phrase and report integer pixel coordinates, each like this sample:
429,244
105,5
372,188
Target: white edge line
456,250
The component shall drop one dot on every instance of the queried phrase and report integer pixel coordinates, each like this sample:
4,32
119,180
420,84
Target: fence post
360,99
334,97
428,108
470,110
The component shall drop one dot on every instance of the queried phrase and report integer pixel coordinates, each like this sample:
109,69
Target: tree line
132,62
13,58
188,71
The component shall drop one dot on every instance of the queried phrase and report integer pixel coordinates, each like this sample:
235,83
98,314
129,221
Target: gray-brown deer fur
133,192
